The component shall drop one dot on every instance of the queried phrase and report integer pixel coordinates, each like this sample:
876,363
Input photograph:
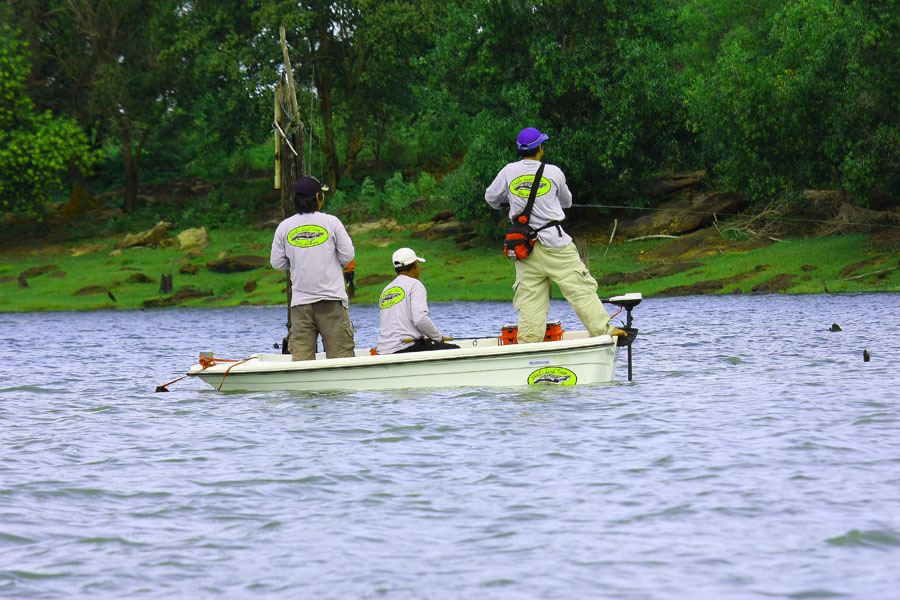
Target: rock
370,226
191,239
91,289
684,215
664,185
235,264
687,248
444,215
186,292
777,284
35,271
710,286
835,327
866,356
190,269
663,270
151,237
88,249
249,286
139,278
374,279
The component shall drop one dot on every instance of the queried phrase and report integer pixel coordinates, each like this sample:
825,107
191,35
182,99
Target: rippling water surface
756,455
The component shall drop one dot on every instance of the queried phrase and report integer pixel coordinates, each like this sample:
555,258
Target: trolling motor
628,302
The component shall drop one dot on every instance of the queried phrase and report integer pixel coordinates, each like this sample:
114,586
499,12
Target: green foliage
802,94
594,75
37,149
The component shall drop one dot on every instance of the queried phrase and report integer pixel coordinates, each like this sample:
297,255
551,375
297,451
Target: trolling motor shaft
628,302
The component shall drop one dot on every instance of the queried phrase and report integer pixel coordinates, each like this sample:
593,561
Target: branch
656,236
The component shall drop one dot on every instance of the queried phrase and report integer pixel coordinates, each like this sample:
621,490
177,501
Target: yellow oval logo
521,186
306,236
553,375
391,296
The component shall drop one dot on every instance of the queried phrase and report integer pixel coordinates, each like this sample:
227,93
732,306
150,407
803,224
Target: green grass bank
91,274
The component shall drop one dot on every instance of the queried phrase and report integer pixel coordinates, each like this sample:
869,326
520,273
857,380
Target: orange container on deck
554,332
509,334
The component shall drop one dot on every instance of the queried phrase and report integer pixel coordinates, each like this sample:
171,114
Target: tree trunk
130,164
354,147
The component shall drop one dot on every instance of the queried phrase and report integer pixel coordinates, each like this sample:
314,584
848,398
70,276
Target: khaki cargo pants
532,291
326,317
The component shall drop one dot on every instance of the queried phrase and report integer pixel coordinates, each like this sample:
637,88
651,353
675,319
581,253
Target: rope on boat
236,363
207,362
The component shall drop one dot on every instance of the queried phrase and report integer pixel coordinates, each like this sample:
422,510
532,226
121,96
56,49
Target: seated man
405,325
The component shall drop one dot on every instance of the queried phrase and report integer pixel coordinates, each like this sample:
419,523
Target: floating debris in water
866,355
835,327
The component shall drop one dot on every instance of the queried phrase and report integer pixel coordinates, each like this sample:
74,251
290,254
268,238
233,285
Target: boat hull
575,360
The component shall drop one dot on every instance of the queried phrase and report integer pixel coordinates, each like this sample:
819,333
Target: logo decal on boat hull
553,375
306,236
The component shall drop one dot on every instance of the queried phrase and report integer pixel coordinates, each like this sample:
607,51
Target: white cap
405,256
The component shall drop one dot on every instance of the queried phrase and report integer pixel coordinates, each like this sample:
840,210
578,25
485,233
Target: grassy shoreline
89,275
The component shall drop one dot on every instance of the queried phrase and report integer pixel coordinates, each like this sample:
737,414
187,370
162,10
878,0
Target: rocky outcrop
235,264
151,237
664,185
684,215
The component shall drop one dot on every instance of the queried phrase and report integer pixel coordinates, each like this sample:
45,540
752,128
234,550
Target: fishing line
720,214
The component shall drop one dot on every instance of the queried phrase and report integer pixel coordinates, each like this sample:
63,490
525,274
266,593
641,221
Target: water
755,456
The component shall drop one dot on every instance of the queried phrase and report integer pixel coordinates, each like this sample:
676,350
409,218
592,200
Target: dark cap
309,186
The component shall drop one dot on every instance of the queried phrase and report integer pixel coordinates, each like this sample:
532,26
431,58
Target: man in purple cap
554,256
315,247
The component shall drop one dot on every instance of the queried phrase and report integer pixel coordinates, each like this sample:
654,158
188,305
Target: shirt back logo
306,236
391,296
521,186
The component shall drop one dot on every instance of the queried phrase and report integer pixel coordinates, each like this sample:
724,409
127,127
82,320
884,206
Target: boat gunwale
481,353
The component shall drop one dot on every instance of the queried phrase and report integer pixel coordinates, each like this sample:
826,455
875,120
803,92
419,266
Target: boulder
191,239
664,185
151,237
684,215
235,264
370,226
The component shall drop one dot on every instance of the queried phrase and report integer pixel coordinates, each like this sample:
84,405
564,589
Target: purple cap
308,186
530,138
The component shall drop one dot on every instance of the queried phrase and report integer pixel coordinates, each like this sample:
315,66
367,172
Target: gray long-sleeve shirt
512,185
404,314
316,248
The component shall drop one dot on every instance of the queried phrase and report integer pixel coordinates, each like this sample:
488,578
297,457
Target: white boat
575,359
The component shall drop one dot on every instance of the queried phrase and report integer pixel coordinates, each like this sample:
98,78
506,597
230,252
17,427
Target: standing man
404,322
554,257
316,248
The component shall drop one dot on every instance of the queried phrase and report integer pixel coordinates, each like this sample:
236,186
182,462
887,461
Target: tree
356,56
37,149
597,76
802,94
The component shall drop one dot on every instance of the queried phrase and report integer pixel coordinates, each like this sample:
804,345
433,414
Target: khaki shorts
563,266
327,318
